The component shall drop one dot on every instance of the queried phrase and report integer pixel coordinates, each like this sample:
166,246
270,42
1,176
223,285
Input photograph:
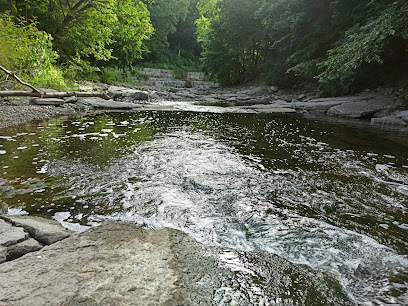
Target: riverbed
325,194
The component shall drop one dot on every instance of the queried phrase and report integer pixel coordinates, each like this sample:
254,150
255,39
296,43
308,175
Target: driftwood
41,94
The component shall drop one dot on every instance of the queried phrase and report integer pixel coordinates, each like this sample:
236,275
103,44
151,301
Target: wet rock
389,120
10,235
114,264
22,248
43,230
317,106
98,103
364,107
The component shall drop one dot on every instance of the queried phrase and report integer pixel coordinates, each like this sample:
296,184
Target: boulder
22,248
116,93
10,235
43,230
365,107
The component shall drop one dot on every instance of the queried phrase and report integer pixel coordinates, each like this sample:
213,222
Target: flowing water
324,194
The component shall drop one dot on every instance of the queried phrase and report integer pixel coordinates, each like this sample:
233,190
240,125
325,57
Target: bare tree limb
54,94
41,94
10,73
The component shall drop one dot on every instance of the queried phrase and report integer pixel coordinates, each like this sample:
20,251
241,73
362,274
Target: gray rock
114,264
389,120
402,115
362,108
98,103
71,100
121,264
4,209
3,254
22,248
116,92
276,110
43,230
316,106
10,235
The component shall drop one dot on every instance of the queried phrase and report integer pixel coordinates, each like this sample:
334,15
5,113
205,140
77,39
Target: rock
22,248
122,264
403,115
276,110
114,264
43,230
4,209
71,100
365,107
3,254
116,92
98,103
389,120
48,101
316,106
10,235
273,89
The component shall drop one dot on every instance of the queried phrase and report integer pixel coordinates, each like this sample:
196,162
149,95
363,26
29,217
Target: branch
54,94
10,73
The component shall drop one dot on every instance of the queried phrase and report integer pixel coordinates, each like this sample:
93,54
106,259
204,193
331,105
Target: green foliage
335,42
362,45
231,38
165,16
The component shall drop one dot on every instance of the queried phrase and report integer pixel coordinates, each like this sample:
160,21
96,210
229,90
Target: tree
165,15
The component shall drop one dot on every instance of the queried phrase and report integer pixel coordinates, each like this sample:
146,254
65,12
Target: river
326,194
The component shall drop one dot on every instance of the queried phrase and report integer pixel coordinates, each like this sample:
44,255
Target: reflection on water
330,196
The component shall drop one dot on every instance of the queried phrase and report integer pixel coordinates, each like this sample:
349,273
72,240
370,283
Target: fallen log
54,94
41,94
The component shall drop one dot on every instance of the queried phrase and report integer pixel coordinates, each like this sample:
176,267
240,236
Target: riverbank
122,264
382,107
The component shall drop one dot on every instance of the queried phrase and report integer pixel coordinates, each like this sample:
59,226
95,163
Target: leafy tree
232,39
165,15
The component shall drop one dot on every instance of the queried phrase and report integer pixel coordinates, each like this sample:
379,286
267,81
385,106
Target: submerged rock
98,103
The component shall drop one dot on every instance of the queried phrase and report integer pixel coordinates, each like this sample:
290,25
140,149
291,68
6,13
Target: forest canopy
342,45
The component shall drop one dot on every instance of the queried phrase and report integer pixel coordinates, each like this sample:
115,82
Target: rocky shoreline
122,264
381,107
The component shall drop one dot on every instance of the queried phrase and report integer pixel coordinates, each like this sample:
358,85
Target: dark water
328,195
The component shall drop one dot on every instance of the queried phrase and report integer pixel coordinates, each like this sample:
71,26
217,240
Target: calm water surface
327,195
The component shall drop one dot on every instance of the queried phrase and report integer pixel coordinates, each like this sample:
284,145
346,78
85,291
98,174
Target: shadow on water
329,195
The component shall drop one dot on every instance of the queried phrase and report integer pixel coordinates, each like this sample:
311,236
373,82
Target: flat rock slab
43,230
114,264
362,108
107,104
22,248
122,264
10,235
273,110
317,106
47,101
